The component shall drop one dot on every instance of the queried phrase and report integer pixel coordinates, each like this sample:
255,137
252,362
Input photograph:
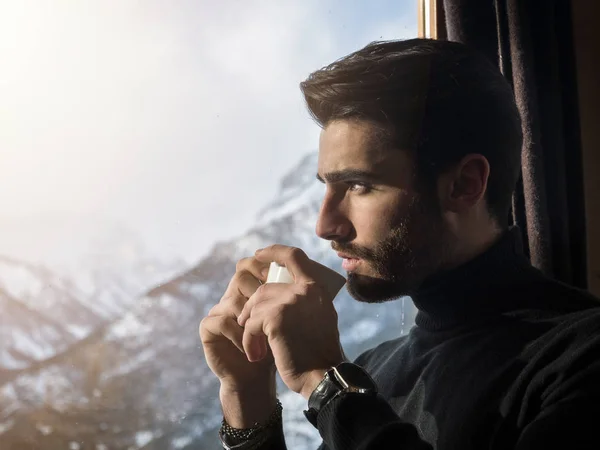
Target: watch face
354,376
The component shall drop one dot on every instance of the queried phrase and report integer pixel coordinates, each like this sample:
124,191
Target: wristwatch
343,378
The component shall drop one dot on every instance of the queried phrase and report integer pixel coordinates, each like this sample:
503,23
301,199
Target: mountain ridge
148,368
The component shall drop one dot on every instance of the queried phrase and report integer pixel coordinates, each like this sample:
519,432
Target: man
420,154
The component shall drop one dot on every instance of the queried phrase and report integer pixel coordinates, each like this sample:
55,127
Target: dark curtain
531,41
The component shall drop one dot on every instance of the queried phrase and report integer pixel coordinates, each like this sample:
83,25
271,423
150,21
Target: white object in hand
279,274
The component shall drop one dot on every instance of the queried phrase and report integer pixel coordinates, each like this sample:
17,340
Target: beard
415,247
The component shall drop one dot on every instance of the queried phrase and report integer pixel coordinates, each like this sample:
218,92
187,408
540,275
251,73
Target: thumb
328,279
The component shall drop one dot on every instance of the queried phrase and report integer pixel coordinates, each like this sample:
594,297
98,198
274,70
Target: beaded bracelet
244,434
255,443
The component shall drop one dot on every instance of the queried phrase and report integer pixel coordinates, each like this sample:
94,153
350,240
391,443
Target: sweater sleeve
569,404
569,424
355,421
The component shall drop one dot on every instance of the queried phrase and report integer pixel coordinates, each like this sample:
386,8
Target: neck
473,242
478,287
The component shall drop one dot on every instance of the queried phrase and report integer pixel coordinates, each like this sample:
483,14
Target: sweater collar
476,289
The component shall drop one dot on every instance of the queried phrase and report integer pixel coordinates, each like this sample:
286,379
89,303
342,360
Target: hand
298,320
222,336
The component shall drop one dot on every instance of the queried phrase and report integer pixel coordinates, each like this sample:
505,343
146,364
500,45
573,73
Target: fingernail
264,272
258,251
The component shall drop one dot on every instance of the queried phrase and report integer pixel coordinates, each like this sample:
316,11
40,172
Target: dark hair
440,99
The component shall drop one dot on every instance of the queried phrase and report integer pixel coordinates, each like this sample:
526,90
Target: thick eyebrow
348,175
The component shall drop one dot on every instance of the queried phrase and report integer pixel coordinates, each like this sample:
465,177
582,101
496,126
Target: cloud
156,112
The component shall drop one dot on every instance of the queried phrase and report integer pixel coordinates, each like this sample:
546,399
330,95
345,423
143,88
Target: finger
248,306
302,268
266,292
241,287
247,284
293,258
254,341
214,328
259,269
233,302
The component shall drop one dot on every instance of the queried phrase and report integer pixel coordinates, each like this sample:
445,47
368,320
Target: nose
332,223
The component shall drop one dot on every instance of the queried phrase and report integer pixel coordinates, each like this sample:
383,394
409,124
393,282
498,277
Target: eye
359,188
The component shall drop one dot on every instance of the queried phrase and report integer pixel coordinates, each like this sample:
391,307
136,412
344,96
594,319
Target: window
141,143
431,20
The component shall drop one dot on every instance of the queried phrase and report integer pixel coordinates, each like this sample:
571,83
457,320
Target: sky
173,118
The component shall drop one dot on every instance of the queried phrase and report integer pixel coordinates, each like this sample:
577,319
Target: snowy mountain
142,382
98,270
41,315
106,262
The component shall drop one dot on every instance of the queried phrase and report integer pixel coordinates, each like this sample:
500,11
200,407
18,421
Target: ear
464,185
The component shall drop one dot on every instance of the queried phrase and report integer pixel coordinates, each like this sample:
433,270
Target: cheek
374,224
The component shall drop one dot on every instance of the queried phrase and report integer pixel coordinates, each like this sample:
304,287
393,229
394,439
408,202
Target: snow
51,384
96,263
19,281
299,433
362,330
131,364
130,325
165,300
143,437
181,442
38,350
44,429
198,290
8,361
247,245
78,331
314,190
8,391
6,425
109,302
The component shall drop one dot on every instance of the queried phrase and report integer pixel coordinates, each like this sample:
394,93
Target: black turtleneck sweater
501,358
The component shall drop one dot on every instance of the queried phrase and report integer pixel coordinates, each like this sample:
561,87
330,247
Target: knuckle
276,321
295,252
203,327
236,280
241,264
224,304
260,290
220,322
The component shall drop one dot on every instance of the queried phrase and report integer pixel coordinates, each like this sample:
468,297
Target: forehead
354,144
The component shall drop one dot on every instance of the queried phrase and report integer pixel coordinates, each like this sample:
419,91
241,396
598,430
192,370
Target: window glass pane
145,147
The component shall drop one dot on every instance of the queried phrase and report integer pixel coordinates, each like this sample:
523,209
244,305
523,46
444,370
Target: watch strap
327,389
345,377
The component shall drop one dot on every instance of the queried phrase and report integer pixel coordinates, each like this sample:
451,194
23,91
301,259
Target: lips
349,263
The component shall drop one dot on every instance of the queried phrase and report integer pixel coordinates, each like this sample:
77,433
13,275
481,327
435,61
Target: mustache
350,250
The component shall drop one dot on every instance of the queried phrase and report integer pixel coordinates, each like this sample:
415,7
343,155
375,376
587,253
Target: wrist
343,378
312,381
254,437
244,407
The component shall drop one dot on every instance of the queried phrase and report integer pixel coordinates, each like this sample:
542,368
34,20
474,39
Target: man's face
391,236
